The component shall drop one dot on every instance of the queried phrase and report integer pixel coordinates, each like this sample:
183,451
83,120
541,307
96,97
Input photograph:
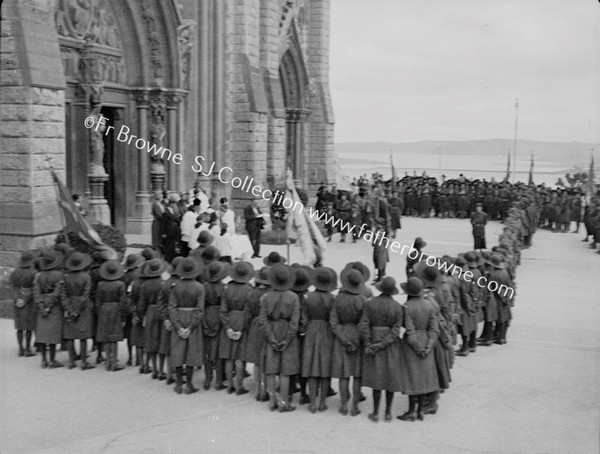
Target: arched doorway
294,82
127,61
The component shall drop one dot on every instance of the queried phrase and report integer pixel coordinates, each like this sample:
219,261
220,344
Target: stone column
142,221
173,101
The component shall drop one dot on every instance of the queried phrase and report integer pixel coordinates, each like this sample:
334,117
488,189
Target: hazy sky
408,70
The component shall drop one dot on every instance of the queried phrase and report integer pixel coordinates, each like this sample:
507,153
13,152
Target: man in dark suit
254,224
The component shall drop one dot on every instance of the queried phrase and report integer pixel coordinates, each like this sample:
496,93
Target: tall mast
515,139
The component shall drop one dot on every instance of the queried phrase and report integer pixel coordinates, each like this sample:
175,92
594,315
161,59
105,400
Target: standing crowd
299,326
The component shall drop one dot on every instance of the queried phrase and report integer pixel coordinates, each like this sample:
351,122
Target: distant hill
547,151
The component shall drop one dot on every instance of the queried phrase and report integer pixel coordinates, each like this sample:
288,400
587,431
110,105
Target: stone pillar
32,128
172,103
142,221
320,162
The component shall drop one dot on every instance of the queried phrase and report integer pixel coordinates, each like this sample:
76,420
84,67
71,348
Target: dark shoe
432,410
331,392
86,366
230,390
323,408
138,362
55,365
21,352
408,416
220,387
116,367
373,417
472,350
312,408
304,399
462,352
190,389
178,389
162,377
29,353
129,362
170,380
343,410
355,411
154,375
486,343
241,391
99,359
362,397
44,364
388,417
273,406
206,386
72,366
286,408
263,398
147,370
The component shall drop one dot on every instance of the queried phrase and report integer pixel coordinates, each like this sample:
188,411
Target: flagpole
62,215
515,138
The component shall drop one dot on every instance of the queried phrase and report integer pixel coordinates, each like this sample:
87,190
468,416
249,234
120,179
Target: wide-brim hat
27,259
64,249
49,260
419,243
174,264
217,271
387,286
188,268
497,262
148,253
353,281
412,287
242,272
429,275
133,261
111,270
304,274
154,268
78,261
210,254
262,276
479,258
360,266
282,277
471,259
205,238
274,259
324,279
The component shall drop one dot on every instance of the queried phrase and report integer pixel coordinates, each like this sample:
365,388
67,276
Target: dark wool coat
77,305
25,310
278,319
380,325
186,310
46,294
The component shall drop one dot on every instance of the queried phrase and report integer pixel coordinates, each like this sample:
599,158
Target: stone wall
32,127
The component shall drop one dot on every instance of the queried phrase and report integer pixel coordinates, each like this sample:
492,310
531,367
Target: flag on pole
531,172
591,178
301,226
507,177
77,224
394,176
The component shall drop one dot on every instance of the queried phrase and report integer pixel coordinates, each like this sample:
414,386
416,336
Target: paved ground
537,394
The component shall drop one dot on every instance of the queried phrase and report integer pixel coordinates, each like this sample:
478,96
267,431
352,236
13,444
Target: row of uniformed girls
194,318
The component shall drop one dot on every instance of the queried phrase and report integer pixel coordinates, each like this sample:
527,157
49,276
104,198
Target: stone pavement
537,394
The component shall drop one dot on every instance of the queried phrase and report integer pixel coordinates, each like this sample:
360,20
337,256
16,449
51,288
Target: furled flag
591,178
77,224
394,176
301,226
531,172
507,177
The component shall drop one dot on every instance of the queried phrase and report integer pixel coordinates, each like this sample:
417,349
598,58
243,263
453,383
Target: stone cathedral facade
242,83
